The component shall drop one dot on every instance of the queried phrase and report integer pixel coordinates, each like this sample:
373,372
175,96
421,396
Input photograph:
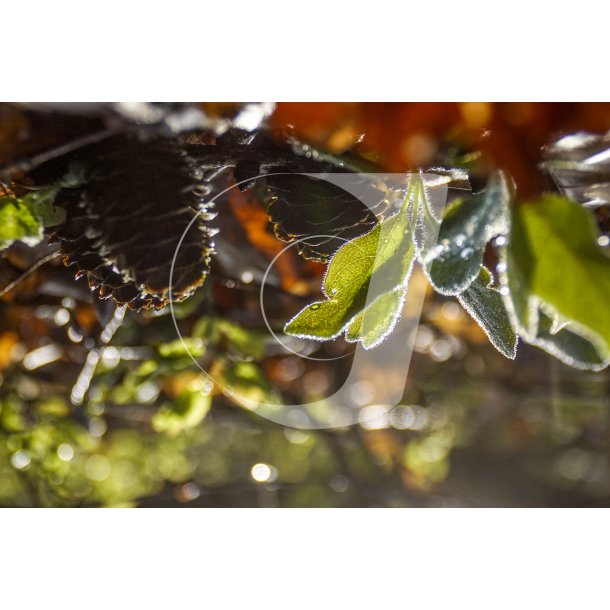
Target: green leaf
553,263
17,221
246,384
23,218
486,306
179,348
567,346
186,412
387,253
245,342
468,225
377,321
42,204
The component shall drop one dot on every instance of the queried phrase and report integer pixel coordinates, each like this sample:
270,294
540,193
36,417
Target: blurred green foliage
24,218
154,431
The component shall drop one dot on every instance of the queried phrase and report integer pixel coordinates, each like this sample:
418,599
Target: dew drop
443,246
466,253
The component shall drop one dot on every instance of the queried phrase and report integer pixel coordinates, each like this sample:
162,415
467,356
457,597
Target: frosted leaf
467,227
567,346
487,308
364,286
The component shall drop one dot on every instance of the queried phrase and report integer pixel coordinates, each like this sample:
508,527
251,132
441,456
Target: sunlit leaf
386,252
373,325
24,218
486,306
454,263
18,221
553,263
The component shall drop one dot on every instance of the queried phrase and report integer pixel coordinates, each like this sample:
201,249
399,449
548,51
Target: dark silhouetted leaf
126,217
321,213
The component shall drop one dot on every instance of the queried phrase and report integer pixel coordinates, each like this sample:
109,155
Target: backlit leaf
373,325
553,263
387,253
17,221
23,218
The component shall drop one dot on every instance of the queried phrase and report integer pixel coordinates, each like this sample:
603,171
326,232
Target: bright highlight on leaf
17,221
24,218
366,282
365,285
378,319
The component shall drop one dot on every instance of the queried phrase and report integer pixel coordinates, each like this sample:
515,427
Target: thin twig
39,263
30,163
